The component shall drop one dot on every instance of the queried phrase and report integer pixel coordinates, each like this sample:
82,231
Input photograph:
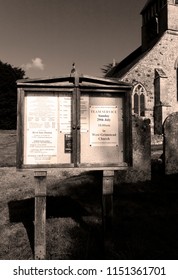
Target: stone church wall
173,17
163,55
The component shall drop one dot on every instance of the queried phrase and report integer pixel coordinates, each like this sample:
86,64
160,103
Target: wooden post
107,205
40,214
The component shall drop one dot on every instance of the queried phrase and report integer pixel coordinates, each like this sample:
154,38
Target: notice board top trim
68,81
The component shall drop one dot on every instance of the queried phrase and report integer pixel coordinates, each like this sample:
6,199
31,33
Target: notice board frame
76,86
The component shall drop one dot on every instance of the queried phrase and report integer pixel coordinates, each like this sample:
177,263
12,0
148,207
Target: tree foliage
106,68
8,94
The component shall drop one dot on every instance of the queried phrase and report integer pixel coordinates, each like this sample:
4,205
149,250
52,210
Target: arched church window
136,103
142,105
139,94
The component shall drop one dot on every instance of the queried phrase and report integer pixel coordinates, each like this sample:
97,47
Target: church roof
122,67
148,3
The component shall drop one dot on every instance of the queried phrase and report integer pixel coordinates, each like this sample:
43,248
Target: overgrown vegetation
8,95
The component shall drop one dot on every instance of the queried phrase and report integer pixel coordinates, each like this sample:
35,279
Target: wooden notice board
73,122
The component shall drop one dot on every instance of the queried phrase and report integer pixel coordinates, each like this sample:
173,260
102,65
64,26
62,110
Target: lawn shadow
76,197
147,219
145,222
22,211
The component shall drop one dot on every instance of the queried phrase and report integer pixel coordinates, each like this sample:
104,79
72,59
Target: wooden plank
119,165
127,115
107,204
74,128
78,135
83,168
47,166
40,214
20,128
49,89
100,90
91,79
76,122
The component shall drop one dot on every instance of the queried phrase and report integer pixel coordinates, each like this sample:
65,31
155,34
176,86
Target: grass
7,148
144,226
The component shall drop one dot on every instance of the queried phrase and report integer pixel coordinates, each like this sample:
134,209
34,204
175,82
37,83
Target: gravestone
141,138
141,153
170,144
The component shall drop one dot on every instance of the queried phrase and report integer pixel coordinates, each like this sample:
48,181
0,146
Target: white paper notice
41,129
65,110
84,113
104,126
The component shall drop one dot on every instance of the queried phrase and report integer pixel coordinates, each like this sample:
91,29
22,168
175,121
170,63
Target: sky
45,37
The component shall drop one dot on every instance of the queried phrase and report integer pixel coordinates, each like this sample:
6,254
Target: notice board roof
68,81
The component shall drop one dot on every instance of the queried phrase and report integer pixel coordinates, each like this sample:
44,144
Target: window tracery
139,94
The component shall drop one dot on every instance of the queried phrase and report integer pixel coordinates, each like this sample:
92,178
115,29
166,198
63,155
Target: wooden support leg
40,215
107,204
